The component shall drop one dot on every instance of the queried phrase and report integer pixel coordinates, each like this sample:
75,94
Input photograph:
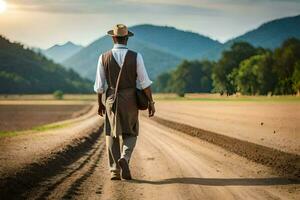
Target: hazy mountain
85,62
24,71
184,44
162,49
269,35
59,53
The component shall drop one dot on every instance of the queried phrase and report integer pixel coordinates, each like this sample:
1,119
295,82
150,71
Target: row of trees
24,71
243,68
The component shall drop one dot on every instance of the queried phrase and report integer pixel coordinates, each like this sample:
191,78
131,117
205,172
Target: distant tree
24,71
296,78
286,59
58,94
223,73
255,75
179,78
245,77
161,83
191,77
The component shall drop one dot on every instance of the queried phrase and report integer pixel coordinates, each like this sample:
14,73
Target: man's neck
116,45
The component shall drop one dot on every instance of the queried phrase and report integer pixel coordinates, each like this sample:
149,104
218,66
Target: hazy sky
42,23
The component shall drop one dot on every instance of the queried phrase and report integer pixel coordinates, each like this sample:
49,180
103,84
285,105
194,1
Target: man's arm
99,86
145,83
151,108
101,107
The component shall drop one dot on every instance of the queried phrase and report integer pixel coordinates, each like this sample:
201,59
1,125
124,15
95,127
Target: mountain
161,47
183,44
59,53
24,71
85,62
269,35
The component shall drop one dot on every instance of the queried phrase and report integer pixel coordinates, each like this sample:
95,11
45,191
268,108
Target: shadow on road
222,181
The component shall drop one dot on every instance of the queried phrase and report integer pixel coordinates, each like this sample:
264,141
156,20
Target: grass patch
218,98
34,129
49,127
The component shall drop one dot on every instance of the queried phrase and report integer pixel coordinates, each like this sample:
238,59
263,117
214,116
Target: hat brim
111,33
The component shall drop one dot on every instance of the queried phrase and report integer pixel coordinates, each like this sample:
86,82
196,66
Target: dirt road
166,165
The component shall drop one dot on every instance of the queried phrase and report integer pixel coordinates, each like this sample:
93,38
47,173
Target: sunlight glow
3,6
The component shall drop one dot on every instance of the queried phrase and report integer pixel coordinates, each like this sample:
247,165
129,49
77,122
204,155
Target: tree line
24,71
243,68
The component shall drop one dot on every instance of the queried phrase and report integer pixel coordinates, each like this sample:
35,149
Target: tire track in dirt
67,183
75,188
283,163
21,185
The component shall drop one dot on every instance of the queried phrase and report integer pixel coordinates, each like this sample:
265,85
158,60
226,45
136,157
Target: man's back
112,68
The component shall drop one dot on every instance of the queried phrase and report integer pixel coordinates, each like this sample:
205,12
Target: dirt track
166,165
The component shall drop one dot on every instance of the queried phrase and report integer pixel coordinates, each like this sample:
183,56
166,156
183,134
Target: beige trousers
119,147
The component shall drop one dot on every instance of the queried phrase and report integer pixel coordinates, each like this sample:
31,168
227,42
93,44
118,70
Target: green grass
218,98
159,97
42,128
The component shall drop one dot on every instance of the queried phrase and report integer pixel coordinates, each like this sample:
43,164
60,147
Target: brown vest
112,69
125,107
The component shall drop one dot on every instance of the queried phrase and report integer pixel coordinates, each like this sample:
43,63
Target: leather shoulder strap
118,81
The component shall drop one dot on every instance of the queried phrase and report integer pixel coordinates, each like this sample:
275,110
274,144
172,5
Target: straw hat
120,30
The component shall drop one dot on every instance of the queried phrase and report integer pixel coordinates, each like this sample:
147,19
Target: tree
255,75
179,77
189,77
286,59
58,94
24,71
161,83
223,76
296,77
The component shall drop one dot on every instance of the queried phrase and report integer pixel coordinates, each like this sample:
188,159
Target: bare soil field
271,124
17,116
48,97
166,164
70,162
24,149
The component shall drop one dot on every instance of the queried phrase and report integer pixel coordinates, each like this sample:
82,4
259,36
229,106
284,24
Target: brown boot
125,172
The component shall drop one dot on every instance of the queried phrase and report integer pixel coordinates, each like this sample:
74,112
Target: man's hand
151,109
101,110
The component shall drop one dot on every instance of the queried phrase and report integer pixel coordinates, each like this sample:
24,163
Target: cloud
167,7
62,6
112,6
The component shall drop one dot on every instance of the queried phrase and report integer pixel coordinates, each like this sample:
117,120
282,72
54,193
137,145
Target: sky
43,23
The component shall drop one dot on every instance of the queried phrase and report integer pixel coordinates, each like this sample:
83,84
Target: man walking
121,70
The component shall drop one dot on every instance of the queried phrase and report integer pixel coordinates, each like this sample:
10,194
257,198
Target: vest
122,117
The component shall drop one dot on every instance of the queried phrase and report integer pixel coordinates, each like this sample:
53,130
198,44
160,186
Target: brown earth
272,124
166,164
17,117
25,149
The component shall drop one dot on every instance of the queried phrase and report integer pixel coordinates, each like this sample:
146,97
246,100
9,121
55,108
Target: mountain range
24,71
164,47
59,53
269,35
157,44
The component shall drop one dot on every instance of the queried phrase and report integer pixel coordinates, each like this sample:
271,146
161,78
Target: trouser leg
114,153
128,144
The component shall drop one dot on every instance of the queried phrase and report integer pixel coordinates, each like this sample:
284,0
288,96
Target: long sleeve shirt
119,52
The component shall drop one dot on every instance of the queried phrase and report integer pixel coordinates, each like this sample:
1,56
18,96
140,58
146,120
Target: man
121,70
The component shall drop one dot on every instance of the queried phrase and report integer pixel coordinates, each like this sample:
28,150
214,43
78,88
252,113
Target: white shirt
119,52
